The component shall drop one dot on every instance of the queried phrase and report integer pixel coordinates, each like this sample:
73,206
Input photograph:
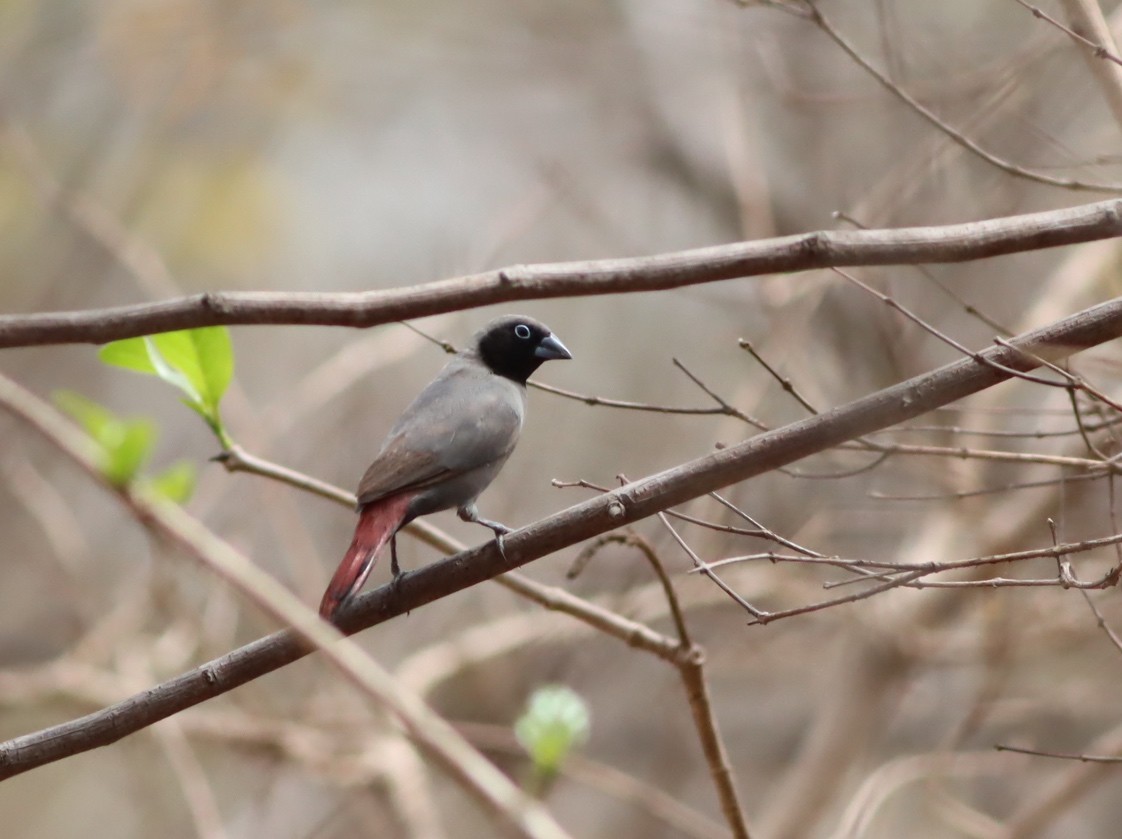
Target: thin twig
895,305
1082,758
784,381
706,569
824,24
947,291
975,493
1099,50
726,408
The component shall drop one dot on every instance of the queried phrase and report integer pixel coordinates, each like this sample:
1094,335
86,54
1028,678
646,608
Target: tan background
157,148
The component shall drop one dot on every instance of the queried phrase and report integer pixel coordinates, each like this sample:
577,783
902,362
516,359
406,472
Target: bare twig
832,32
697,691
634,540
1082,758
784,381
1084,18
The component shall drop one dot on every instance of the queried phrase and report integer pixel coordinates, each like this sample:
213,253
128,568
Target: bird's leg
395,569
469,513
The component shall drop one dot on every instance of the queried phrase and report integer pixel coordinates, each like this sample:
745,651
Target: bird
447,446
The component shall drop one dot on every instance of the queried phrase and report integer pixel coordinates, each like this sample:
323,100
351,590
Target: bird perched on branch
447,446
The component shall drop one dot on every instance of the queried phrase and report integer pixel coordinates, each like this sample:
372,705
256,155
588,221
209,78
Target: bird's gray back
466,419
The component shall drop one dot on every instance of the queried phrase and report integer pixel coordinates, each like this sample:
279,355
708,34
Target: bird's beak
551,348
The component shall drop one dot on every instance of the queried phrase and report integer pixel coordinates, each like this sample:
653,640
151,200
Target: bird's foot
470,513
502,547
500,530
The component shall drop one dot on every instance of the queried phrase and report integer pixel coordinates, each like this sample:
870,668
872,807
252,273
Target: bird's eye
522,331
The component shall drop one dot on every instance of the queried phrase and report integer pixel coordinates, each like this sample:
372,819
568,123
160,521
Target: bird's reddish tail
377,523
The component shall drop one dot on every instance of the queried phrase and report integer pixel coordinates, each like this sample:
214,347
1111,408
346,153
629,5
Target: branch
968,143
904,246
520,814
620,506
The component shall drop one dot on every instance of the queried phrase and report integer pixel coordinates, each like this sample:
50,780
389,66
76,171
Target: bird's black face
515,346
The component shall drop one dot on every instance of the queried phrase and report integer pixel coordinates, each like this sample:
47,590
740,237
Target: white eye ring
522,331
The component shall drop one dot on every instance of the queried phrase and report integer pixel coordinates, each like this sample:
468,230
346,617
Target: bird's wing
465,419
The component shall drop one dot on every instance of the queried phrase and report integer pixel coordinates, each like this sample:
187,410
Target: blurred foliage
556,721
125,445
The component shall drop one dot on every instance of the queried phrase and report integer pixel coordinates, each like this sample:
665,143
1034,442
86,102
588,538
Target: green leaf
91,416
177,482
123,444
216,357
128,450
204,357
171,373
198,362
130,353
556,720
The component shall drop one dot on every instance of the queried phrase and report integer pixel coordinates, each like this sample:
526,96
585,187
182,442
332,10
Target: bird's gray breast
467,422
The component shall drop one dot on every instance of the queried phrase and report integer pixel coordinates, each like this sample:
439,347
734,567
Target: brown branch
637,635
1090,27
620,506
904,246
690,664
493,791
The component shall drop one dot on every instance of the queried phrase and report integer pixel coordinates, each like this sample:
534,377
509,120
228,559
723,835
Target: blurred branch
632,502
490,788
691,669
1089,28
903,246
971,145
606,780
887,780
1082,758
687,657
1049,804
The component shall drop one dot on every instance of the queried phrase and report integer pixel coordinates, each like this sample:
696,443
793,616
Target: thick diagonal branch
628,503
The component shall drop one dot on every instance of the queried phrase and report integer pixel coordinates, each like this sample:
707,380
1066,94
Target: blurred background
152,148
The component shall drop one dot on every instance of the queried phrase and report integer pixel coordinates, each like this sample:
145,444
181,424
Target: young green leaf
129,449
177,482
123,445
198,362
187,352
177,372
130,353
556,720
216,358
91,416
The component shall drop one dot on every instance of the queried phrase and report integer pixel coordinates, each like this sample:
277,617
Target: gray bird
447,446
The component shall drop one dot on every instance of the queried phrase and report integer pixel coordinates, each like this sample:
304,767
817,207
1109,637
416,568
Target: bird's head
515,346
